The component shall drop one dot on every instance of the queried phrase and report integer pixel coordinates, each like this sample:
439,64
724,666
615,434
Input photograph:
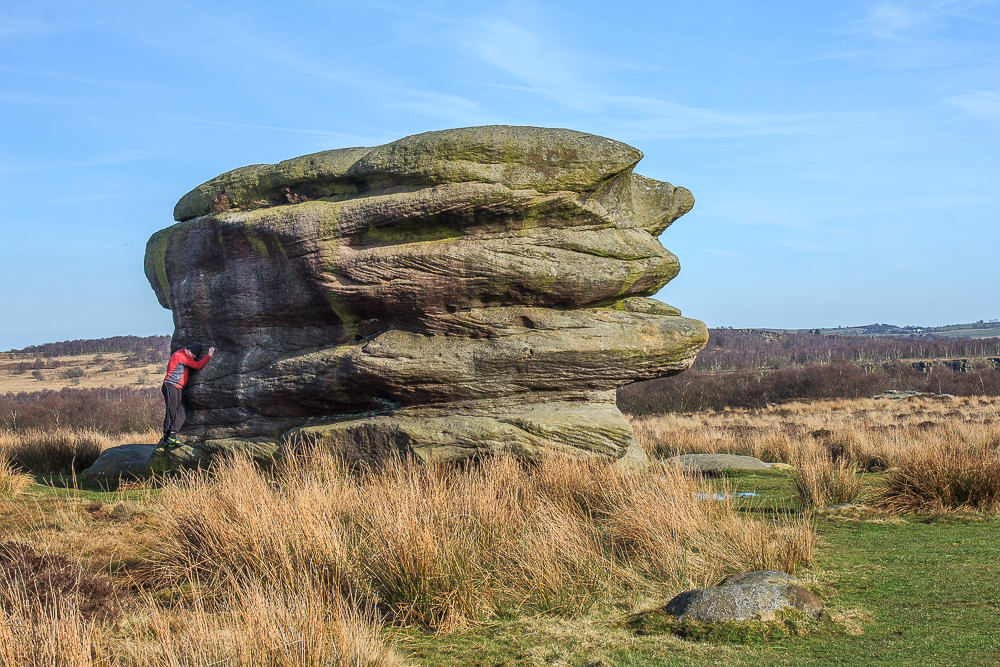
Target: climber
173,386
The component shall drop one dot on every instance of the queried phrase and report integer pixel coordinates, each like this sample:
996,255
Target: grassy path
933,590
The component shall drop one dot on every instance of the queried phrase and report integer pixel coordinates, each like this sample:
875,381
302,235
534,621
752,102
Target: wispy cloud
345,136
802,245
543,67
446,107
890,22
82,80
99,160
985,103
894,21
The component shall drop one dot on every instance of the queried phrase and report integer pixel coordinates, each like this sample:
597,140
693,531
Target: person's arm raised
201,362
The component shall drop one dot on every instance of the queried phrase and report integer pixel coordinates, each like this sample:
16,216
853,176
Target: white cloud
891,21
355,139
546,68
543,65
99,160
894,21
985,103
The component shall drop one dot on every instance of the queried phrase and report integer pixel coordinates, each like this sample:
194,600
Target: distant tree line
697,390
153,348
735,349
752,368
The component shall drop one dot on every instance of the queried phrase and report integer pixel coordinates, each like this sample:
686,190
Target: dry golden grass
12,481
255,625
821,481
302,564
937,453
444,547
62,449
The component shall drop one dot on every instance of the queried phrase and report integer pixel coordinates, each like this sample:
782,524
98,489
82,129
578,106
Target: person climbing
173,387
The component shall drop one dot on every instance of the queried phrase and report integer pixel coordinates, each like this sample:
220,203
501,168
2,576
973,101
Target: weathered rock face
452,292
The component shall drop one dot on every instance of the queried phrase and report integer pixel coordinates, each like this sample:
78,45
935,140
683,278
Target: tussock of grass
12,481
303,563
952,475
44,632
821,481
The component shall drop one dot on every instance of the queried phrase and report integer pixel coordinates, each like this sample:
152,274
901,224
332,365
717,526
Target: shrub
48,577
756,388
112,411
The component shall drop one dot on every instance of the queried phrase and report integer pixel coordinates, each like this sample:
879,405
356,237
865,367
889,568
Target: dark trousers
174,418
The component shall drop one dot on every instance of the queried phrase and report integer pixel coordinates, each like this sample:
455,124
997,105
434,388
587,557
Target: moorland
887,509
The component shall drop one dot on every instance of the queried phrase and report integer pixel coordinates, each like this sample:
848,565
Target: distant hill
154,346
980,329
92,363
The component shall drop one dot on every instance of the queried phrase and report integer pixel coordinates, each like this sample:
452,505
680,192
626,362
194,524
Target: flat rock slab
717,462
130,460
758,601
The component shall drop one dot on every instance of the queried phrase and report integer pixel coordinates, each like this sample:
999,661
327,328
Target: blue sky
844,155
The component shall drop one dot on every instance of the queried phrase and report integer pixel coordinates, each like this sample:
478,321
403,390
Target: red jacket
177,368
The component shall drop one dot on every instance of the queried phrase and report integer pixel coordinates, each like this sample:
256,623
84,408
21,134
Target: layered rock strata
453,292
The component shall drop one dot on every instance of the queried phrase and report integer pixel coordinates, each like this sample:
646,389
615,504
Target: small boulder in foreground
755,601
121,461
751,605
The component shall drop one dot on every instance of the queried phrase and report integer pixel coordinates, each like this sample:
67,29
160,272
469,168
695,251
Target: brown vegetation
302,563
12,481
61,450
936,453
111,411
753,388
734,349
444,547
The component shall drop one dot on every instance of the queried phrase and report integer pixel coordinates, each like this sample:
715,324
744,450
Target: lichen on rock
447,294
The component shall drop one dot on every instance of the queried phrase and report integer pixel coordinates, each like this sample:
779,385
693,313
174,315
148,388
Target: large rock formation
452,292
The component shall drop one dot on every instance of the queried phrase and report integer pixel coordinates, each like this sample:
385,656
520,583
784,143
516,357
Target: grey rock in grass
121,461
447,294
758,601
717,462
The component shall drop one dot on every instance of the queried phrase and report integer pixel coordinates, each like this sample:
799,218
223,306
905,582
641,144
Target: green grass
926,591
60,485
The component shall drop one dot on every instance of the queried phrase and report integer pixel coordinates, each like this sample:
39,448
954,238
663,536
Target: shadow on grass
61,485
